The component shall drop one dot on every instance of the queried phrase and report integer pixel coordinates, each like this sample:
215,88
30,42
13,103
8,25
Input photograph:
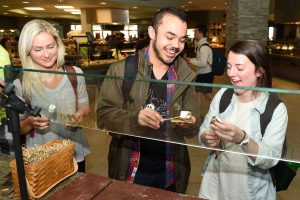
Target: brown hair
258,54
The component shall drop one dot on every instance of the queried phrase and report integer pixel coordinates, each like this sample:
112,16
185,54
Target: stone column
85,27
246,20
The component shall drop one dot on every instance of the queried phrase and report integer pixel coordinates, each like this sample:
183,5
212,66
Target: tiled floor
97,160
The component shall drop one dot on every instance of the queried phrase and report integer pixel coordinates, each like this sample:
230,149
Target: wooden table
86,186
90,186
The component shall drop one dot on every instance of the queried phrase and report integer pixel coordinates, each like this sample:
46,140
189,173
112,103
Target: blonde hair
31,81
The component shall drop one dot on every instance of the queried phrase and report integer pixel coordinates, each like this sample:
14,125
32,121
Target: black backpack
282,174
219,61
130,71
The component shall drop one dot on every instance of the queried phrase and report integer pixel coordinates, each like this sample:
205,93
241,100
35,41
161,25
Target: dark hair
171,10
258,54
3,42
141,35
202,29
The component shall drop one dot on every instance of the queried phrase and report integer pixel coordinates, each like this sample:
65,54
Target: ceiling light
5,6
190,2
135,7
102,3
5,13
34,8
72,10
64,7
25,2
76,13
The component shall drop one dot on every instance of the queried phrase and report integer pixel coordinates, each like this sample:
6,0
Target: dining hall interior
99,33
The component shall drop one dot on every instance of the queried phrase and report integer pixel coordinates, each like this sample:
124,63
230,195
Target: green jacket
112,115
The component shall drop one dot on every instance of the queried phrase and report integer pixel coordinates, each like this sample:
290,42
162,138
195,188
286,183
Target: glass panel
108,114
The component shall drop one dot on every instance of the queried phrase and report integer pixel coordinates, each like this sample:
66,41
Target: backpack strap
206,44
225,100
130,71
266,117
73,80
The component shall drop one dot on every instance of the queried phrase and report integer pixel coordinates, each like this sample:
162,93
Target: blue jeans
156,180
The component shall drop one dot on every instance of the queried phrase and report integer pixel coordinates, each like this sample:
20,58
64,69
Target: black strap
225,100
266,117
130,71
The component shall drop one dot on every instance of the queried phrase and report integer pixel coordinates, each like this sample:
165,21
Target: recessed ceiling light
134,7
72,10
76,13
34,8
190,2
5,6
102,3
182,6
5,13
63,7
25,2
214,7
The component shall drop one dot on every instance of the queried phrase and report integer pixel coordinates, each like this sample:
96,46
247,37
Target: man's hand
188,123
150,118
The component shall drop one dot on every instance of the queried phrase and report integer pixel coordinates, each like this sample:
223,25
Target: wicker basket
43,176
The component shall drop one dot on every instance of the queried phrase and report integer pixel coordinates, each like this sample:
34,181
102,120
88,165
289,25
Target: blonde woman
40,48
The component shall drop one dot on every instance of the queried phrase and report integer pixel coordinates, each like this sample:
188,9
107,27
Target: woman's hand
40,123
77,117
210,138
228,132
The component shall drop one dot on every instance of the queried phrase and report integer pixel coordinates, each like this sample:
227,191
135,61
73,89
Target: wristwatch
245,142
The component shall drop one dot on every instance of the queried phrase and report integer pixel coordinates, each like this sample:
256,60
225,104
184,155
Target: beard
159,56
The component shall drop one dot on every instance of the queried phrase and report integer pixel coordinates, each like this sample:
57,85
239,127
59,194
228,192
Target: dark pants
156,180
81,166
204,78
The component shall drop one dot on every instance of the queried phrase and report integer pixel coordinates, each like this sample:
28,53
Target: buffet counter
286,67
86,186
